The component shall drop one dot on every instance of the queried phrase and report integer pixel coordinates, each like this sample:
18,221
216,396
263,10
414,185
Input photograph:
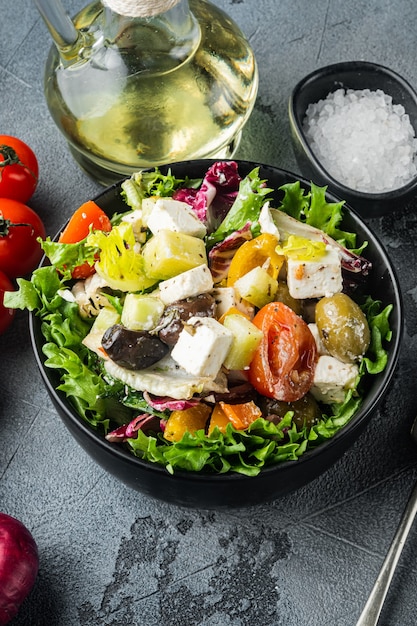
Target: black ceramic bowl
233,490
355,75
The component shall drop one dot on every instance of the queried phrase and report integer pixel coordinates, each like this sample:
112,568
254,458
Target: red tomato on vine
19,169
20,226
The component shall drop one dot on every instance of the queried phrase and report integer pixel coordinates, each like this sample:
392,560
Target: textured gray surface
110,556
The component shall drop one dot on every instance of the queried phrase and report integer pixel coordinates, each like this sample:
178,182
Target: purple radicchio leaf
163,403
221,255
145,422
218,191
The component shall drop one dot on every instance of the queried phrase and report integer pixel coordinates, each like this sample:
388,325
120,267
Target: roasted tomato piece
284,363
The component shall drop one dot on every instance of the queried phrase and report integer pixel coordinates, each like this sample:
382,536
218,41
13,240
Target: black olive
133,349
175,314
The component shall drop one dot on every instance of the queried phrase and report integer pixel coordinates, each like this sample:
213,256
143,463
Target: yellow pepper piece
233,311
255,253
191,420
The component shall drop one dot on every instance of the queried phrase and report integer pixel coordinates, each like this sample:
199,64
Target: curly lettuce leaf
81,385
153,183
67,256
241,451
40,293
313,208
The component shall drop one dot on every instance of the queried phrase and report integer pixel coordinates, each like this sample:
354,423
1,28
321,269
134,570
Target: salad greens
228,205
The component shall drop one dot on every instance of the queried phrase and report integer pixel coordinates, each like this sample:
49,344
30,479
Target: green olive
283,295
342,327
306,410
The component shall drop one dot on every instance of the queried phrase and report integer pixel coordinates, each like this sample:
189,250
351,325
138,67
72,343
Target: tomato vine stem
5,226
10,157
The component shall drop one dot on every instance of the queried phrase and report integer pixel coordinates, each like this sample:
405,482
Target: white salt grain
362,139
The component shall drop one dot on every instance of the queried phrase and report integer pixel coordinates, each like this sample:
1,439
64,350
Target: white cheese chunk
266,221
202,346
139,229
315,279
332,379
186,285
227,298
168,214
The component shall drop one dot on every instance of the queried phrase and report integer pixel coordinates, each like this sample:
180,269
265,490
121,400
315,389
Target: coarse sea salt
362,139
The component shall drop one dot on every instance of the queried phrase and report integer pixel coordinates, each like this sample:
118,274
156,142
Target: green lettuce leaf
40,293
312,208
144,184
376,358
66,256
246,207
81,385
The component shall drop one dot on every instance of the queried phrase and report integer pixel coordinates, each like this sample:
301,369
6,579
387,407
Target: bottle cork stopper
140,8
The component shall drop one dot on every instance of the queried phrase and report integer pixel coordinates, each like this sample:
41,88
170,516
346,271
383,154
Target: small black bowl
207,491
355,75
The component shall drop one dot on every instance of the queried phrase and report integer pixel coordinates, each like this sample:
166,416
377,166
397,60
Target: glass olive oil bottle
130,92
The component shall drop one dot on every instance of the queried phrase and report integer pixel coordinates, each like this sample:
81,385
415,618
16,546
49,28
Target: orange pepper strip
218,418
241,415
87,215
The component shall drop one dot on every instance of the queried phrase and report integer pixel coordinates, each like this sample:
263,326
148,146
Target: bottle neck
167,36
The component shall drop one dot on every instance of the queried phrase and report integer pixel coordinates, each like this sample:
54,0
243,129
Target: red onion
19,564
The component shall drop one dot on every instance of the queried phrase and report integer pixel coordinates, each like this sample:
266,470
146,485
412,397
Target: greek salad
210,327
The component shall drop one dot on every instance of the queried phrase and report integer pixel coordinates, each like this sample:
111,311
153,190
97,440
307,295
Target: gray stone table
112,557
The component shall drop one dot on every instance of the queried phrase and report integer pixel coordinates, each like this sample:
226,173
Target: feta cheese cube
227,298
186,285
315,279
332,379
202,346
168,214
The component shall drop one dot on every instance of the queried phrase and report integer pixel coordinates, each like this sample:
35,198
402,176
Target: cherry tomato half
6,315
20,226
89,216
284,362
19,169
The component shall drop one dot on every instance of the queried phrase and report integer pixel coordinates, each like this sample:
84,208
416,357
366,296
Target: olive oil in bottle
132,91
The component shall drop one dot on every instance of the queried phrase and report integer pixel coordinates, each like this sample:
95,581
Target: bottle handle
59,24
